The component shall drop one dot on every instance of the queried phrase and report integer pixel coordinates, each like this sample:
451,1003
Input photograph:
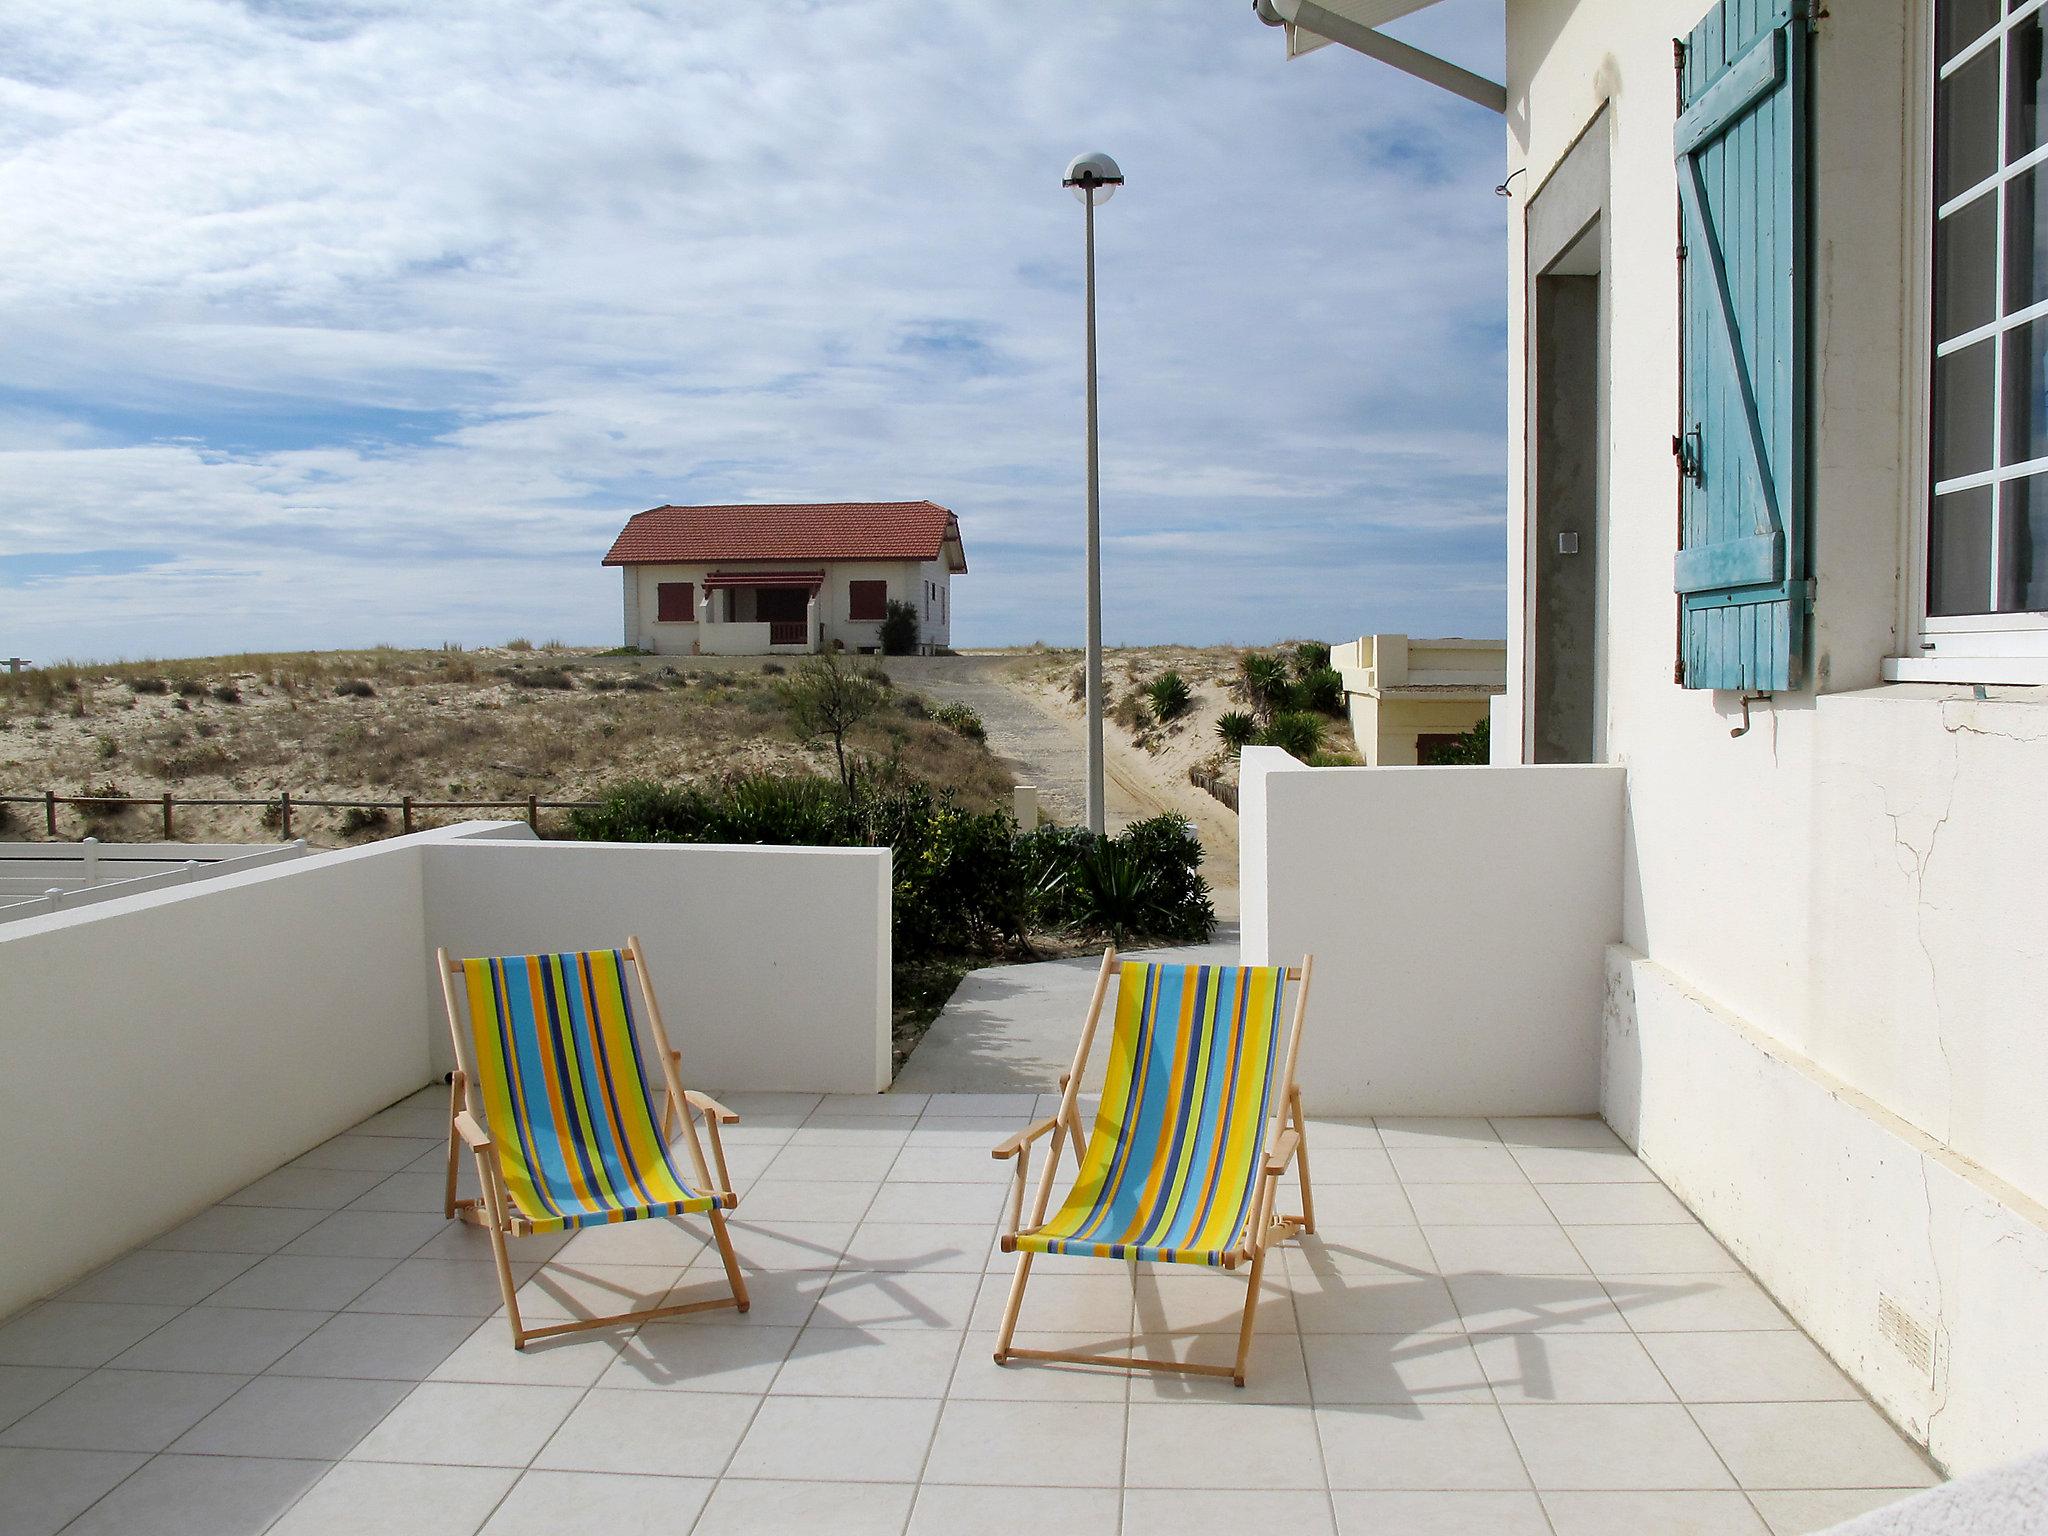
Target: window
1985,568
866,599
675,602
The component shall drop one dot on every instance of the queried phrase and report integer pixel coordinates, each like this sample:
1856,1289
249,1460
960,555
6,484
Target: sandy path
1044,747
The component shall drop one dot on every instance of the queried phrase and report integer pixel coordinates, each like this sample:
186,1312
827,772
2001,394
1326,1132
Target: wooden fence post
405,811
167,817
50,811
533,813
284,808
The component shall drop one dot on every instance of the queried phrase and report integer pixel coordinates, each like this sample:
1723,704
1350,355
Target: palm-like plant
1294,732
1170,696
1238,730
1264,682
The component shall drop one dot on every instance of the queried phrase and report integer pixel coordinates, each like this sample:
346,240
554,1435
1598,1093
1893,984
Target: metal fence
284,803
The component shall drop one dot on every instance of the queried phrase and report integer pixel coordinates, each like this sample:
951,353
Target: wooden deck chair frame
1286,1145
493,1211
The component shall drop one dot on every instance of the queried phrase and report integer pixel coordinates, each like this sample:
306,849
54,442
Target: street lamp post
1094,178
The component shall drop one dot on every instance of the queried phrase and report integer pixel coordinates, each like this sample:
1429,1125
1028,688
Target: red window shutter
866,599
675,602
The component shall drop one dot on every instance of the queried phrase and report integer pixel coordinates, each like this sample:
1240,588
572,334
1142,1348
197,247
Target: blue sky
340,324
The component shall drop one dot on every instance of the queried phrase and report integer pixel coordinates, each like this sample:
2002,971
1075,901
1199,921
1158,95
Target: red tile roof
832,530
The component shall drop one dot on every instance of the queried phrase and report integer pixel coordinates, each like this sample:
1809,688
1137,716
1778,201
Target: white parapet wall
160,1051
771,965
1458,918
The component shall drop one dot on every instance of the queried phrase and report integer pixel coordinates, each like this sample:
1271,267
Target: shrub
961,721
358,819
1473,748
899,628
191,688
541,677
148,685
99,808
772,669
1294,732
354,688
1264,683
1170,695
1310,656
520,644
226,693
826,698
1322,690
1131,713
1238,730
107,748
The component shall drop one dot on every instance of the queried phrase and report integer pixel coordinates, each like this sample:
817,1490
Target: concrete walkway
1013,1028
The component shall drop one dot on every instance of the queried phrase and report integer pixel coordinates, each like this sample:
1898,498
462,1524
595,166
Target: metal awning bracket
1310,23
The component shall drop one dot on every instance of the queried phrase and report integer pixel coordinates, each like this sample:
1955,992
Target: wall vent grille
1906,1333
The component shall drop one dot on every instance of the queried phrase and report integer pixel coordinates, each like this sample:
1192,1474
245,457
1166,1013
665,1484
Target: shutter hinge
1804,590
1687,450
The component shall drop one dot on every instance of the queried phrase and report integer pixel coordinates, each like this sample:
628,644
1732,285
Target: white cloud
380,317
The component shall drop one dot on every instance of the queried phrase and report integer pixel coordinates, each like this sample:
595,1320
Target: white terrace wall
771,964
158,1052
1458,918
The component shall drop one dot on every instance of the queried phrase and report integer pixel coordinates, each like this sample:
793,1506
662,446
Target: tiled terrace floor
1504,1329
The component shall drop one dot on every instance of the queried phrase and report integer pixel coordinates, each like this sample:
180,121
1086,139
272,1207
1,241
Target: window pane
1959,553
2026,393
1962,22
1966,267
2023,547
1962,412
2026,240
1966,127
2026,126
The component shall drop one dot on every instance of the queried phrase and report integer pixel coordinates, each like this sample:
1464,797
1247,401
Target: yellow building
1409,698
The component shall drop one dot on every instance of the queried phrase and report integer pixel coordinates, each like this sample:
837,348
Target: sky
338,324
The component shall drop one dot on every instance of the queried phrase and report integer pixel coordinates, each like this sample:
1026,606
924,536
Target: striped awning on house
717,579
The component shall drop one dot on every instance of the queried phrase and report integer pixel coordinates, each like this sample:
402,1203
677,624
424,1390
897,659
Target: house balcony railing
789,631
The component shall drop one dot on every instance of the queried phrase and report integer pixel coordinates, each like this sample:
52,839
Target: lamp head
1269,13
1094,177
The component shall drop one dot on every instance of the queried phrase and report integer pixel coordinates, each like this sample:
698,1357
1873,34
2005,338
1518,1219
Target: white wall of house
926,585
1458,918
158,1052
1824,1018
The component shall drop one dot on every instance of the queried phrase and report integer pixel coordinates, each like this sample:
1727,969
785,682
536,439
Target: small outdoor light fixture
1094,178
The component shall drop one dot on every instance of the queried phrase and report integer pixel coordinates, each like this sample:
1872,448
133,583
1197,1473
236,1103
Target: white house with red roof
786,578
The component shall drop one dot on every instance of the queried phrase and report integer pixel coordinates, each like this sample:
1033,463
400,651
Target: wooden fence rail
1221,788
285,803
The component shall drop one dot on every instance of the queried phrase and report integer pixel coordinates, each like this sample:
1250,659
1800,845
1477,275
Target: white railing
37,878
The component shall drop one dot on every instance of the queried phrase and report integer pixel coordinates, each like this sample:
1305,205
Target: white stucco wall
158,1052
1458,918
1856,881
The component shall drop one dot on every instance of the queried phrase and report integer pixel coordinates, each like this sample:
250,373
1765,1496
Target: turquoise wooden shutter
1742,148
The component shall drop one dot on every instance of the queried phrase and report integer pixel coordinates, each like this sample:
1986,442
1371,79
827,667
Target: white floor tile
257,1229
315,1418
371,1234
1398,1249
1440,1514
978,1377
367,1499
1668,1514
1030,1444
767,1508
779,1247
1363,1303
27,1387
123,1411
46,1489
308,1189
949,1510
1664,1248
1613,1204
79,1333
773,1199
1437,1447
1094,1303
439,1287
200,1496
1493,1205
805,1164
668,1244
1778,1366
1812,1445
921,1246
1390,1369
815,1437
1434,1131
1606,1446
938,1202
1521,1251
1188,1298
682,1357
1221,1445
955,1165
889,1299
775,1300
1333,1166
1456,1165
231,1340
378,1345
1694,1303
407,1192
1174,1512
1535,1304
300,1282
1362,1205
562,1290
1584,1131
567,1360
377,1154
1274,1370
678,1434
857,1363
1581,1165
1570,1368
1804,1512
598,1504
459,1423
159,1276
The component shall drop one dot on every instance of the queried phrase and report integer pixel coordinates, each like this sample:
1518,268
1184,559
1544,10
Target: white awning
1313,24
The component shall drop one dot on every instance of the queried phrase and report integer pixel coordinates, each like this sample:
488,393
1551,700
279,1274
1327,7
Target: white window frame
1966,648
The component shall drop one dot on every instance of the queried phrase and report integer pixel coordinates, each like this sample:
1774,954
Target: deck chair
552,1097
1199,1120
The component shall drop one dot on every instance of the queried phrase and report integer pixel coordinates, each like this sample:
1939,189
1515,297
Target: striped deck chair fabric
1173,1162
572,1118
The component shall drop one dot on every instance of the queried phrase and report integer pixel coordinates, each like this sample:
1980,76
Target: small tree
899,628
825,698
1473,748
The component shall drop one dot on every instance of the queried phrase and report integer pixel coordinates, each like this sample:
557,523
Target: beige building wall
926,585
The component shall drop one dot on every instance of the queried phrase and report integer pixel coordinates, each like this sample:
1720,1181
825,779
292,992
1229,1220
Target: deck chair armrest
710,1106
1017,1143
1283,1151
467,1128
